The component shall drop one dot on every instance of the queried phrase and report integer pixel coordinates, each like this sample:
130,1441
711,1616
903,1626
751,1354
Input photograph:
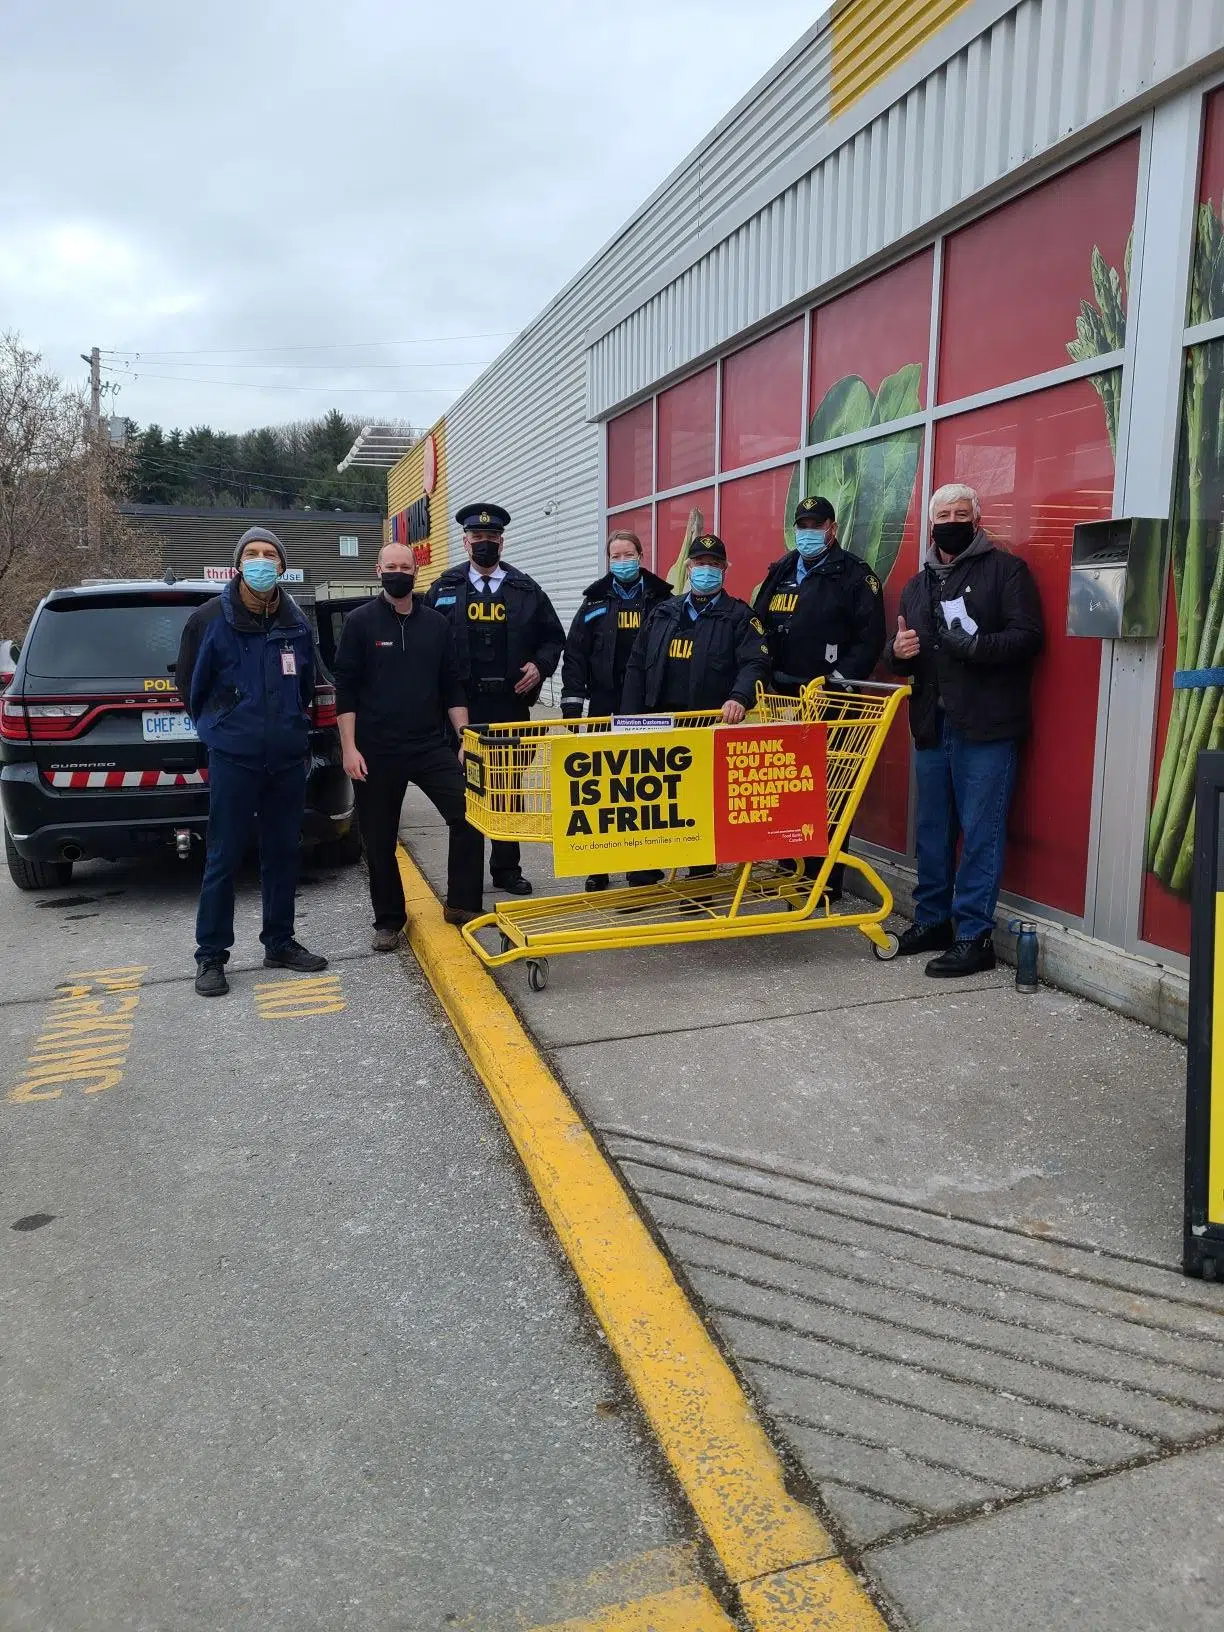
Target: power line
330,390
333,345
452,362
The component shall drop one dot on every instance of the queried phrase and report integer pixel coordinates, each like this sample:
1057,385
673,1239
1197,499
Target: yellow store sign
417,504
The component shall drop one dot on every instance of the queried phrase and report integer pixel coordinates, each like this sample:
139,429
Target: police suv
97,755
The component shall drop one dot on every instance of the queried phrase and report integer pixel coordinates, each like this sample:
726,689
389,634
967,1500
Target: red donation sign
770,792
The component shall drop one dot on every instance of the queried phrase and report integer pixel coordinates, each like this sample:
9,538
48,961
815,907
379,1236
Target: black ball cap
483,515
814,511
708,544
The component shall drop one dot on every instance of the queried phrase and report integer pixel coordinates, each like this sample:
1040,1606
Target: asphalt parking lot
287,1340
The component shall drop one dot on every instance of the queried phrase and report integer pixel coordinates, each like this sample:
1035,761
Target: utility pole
95,388
93,457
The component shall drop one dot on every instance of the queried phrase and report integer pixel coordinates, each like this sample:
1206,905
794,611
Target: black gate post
1203,1251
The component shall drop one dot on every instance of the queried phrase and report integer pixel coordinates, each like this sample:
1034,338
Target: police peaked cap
708,544
483,515
814,511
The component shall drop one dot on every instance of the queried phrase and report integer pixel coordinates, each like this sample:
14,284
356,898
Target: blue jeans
963,788
238,794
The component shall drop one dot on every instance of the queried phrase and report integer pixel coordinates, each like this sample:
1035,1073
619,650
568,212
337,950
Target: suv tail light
39,722
324,710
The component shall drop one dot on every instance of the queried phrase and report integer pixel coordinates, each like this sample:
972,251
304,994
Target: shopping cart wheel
537,973
504,941
887,953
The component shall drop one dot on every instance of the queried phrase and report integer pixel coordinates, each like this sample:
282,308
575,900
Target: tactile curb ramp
698,1411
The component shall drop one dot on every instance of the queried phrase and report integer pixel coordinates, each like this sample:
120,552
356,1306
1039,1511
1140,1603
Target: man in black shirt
395,675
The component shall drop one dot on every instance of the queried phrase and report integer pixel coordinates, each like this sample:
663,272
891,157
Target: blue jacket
248,682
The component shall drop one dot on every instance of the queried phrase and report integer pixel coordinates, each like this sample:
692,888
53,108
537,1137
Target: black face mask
486,552
398,584
953,537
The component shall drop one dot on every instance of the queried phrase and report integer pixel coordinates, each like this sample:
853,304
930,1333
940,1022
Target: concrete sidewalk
936,1228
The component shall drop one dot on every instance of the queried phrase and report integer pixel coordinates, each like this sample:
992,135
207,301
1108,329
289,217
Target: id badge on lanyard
288,660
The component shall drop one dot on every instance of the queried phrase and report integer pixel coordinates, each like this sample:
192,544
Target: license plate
167,725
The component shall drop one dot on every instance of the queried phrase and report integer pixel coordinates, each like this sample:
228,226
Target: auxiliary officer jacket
533,630
588,669
729,655
397,673
834,619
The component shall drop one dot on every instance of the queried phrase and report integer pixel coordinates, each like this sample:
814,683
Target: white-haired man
969,629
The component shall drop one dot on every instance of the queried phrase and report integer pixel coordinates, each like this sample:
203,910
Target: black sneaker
964,958
210,978
596,882
926,938
294,956
513,883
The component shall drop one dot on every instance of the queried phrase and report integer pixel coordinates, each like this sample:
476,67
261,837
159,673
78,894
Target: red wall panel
1014,281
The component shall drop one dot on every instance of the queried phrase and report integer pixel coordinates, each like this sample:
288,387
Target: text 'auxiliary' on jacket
589,667
248,681
833,620
728,655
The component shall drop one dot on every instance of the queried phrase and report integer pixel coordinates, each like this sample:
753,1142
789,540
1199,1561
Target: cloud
207,179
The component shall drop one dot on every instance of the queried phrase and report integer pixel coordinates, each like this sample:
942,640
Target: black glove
958,641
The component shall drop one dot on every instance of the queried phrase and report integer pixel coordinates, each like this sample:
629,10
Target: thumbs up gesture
905,641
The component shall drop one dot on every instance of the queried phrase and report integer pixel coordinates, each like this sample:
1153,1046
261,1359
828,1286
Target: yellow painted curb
824,1596
685,1609
703,1421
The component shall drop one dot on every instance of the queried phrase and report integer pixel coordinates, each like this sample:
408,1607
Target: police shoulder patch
873,583
757,625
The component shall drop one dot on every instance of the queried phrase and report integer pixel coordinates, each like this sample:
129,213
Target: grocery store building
971,240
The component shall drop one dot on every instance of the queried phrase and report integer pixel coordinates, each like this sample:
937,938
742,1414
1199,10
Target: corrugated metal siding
1029,81
1044,71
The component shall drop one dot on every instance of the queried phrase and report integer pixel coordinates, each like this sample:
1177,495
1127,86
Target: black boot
513,882
927,938
964,958
652,875
597,881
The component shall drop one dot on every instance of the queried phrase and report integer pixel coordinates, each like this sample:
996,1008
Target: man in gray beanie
246,674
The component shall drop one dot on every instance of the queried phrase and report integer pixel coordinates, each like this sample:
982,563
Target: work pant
380,798
239,794
497,708
964,788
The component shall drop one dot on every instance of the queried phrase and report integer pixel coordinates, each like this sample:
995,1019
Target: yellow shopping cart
575,783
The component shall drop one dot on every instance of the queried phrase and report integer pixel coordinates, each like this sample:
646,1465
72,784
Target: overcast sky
208,177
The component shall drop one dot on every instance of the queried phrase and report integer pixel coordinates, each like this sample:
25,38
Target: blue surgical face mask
260,575
811,542
627,571
706,580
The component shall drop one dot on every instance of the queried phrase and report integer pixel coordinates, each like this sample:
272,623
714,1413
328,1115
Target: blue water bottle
1026,954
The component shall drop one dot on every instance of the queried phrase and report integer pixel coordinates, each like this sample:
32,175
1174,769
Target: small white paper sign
953,610
643,722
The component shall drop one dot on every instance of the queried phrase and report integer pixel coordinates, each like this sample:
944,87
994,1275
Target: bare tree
59,492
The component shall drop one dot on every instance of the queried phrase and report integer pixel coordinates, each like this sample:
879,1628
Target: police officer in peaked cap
508,641
822,611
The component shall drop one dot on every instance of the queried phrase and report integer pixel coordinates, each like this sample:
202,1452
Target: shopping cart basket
510,771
